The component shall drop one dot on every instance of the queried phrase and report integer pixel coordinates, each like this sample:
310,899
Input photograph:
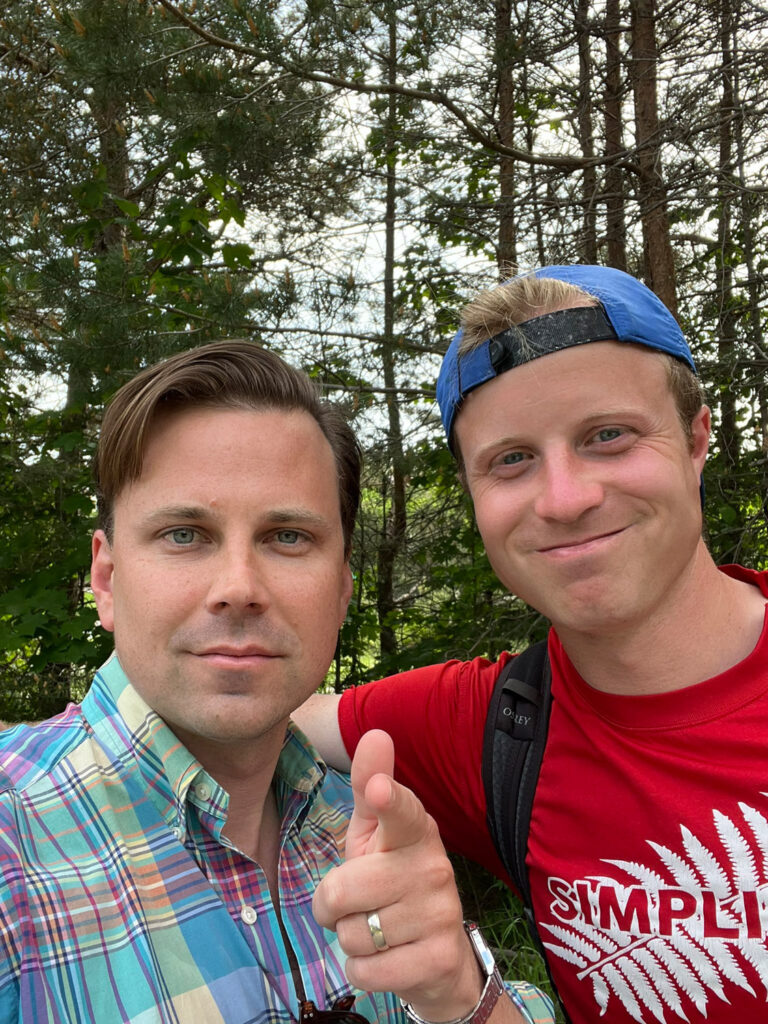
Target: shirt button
179,833
248,915
203,791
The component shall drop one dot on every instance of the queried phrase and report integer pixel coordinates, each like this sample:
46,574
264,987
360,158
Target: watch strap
492,989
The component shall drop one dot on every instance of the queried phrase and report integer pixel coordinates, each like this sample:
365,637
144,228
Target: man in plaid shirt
161,843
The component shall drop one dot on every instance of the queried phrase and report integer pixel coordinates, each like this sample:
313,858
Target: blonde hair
514,302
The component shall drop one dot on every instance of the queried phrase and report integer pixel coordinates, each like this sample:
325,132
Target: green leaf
236,254
126,206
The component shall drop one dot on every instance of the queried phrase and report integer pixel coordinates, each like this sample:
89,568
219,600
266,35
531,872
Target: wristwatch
492,988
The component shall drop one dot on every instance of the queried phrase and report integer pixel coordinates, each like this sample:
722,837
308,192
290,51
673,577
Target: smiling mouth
577,546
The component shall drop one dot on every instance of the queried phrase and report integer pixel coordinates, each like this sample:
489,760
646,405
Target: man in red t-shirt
571,404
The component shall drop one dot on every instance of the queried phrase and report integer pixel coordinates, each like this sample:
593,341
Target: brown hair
224,374
523,298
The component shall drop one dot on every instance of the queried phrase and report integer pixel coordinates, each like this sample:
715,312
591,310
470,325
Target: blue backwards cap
628,311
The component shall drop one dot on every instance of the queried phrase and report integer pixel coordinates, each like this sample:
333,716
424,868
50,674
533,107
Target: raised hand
394,903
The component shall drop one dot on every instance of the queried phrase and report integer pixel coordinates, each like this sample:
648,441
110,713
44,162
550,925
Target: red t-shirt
648,847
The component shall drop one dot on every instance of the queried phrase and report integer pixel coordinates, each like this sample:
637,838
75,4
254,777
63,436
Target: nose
568,487
238,585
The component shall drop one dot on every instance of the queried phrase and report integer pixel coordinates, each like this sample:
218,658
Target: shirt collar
136,735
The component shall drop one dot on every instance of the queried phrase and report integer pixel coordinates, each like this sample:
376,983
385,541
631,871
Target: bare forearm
317,717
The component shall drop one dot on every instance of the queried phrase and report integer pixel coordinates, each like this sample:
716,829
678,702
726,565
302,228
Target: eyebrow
296,515
159,515
186,513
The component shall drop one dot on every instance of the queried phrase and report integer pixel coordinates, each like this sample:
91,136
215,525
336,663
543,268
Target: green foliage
128,163
48,637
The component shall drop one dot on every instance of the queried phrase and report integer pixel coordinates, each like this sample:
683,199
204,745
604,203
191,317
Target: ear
347,586
102,573
700,431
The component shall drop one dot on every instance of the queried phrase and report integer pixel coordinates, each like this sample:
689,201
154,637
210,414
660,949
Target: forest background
334,180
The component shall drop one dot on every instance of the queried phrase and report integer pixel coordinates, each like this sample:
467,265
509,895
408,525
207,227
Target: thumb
374,756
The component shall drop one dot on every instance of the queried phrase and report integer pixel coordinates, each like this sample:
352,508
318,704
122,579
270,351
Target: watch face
484,954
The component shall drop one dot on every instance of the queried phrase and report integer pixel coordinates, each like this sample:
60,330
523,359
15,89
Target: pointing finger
374,759
402,820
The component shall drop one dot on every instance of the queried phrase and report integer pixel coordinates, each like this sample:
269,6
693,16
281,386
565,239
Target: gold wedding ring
377,934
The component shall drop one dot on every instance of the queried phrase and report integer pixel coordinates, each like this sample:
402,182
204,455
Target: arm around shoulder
318,718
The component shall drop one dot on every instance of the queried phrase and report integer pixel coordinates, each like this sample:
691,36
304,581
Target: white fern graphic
714,906
712,874
741,857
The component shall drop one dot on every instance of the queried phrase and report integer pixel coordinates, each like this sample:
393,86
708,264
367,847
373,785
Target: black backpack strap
513,746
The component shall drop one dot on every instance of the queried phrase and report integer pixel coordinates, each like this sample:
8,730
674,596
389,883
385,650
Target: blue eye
511,458
182,536
290,537
608,434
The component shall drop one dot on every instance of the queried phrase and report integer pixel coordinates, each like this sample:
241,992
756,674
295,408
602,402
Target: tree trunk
615,225
657,246
394,524
728,436
507,247
588,245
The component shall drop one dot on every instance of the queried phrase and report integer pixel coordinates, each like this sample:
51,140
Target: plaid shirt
121,900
